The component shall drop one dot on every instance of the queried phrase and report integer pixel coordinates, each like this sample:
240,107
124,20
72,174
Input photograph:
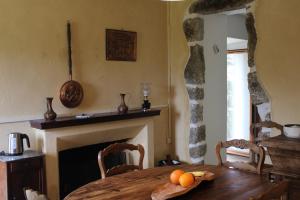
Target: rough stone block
194,29
194,72
196,93
252,38
197,134
258,95
198,151
196,113
215,6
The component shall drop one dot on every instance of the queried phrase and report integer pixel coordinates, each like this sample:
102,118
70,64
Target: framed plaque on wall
121,45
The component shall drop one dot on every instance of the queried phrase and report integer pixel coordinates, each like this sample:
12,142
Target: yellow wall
277,59
277,56
33,59
178,54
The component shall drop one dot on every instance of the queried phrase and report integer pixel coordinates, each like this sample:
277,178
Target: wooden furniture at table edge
279,174
280,146
119,147
277,142
242,144
17,167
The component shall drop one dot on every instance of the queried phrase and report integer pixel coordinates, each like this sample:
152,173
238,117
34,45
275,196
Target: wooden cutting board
170,190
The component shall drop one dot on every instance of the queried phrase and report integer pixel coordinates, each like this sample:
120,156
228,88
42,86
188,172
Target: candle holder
146,92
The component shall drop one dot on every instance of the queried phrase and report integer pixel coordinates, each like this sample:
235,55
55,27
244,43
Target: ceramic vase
122,108
49,114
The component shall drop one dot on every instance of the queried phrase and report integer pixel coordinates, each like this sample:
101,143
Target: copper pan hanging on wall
71,92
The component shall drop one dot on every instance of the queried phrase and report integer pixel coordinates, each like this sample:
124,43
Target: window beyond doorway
238,97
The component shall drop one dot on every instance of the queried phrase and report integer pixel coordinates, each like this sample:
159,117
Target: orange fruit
174,176
186,179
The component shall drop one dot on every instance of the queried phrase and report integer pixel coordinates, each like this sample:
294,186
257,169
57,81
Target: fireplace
69,133
79,166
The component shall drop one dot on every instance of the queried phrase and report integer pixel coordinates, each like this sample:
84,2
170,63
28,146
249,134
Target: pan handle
69,49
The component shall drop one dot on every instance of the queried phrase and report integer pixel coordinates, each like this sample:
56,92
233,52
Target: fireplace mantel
95,118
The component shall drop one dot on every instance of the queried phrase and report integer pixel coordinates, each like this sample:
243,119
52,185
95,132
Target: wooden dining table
229,184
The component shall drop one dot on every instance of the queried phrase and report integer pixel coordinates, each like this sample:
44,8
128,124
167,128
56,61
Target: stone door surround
194,73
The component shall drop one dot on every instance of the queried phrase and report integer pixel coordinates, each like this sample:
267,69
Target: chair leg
269,175
284,197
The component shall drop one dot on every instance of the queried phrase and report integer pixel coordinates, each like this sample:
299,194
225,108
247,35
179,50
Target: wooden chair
278,191
33,195
265,124
242,144
115,148
256,137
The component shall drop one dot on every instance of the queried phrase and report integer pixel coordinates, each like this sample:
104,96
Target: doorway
238,96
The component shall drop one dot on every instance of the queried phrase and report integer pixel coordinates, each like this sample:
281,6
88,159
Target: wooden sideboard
285,155
18,172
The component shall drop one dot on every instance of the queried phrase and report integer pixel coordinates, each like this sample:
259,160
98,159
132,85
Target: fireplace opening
79,166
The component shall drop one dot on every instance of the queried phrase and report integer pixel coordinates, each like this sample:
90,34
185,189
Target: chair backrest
33,195
115,148
264,124
242,144
278,191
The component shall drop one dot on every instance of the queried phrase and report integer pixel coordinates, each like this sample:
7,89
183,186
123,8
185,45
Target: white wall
215,27
236,27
